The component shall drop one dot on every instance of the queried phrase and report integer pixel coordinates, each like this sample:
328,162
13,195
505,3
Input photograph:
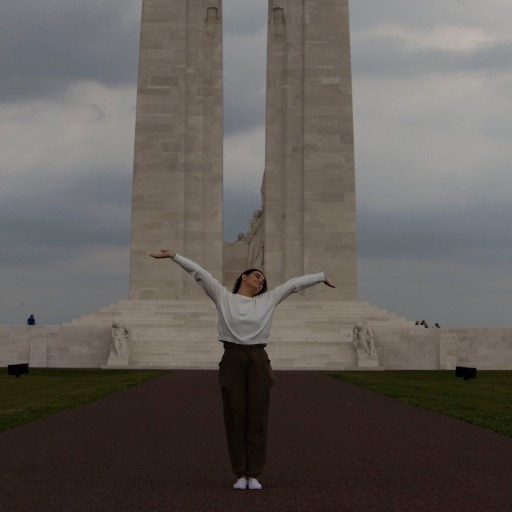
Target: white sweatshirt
245,320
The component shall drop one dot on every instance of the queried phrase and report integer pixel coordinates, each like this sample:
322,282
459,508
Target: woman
245,374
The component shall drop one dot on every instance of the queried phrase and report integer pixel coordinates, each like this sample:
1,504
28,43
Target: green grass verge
484,401
46,391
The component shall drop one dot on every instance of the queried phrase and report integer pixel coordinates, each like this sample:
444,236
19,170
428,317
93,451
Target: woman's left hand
328,283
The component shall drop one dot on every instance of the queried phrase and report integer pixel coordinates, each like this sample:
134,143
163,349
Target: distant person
245,374
31,320
437,326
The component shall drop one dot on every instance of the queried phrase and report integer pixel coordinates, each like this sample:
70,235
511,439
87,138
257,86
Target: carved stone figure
255,239
363,340
120,345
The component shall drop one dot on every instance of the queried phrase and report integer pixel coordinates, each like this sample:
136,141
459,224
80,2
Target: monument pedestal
368,363
364,360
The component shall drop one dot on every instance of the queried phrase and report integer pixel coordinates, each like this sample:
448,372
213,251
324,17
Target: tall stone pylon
177,178
309,183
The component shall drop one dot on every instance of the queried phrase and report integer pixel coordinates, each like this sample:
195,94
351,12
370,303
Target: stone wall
404,348
55,346
418,348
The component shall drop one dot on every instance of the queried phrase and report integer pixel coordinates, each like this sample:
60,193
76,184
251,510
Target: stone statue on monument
120,345
363,341
255,240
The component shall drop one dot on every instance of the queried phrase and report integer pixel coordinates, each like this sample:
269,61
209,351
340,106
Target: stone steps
183,334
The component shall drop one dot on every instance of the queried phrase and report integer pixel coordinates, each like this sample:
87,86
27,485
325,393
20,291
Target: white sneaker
254,484
241,483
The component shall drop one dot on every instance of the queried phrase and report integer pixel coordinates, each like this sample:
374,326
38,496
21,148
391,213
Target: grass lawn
46,391
484,401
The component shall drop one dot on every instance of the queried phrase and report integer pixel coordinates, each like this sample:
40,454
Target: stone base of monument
175,341
172,334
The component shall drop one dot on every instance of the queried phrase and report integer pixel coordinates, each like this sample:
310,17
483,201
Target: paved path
333,447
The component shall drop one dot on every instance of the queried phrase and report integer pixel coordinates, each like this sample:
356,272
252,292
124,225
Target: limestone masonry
177,174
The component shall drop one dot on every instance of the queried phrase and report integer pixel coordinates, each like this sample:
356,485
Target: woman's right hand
164,253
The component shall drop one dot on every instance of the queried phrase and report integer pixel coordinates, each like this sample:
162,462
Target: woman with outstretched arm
245,374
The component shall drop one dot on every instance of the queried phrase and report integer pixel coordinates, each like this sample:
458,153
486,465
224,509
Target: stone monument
306,221
308,194
307,218
309,184
177,176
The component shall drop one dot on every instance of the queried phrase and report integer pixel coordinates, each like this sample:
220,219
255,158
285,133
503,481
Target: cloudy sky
432,86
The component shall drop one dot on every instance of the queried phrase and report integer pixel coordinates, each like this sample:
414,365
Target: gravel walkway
333,447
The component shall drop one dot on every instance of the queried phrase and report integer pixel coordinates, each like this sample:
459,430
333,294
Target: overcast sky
432,89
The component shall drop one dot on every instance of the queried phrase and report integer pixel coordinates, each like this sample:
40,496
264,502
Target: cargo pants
246,378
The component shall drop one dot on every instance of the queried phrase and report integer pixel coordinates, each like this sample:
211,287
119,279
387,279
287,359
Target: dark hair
238,282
